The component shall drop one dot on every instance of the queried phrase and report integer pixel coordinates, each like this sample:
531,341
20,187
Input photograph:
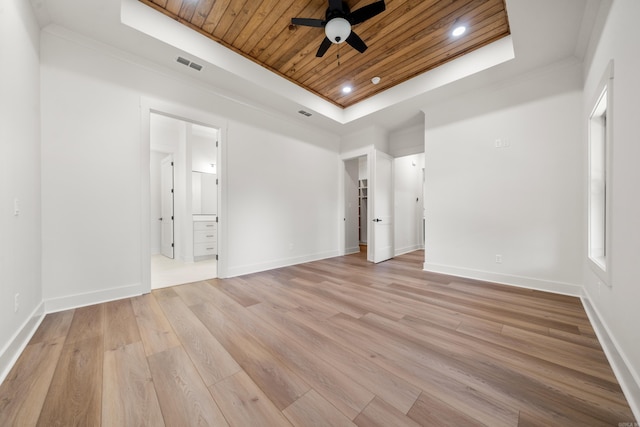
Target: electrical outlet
498,259
502,143
16,303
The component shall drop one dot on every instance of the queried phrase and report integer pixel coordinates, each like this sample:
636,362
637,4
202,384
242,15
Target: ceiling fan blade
356,42
335,5
324,46
308,22
366,12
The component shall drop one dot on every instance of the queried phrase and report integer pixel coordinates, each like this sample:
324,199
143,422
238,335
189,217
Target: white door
166,206
382,215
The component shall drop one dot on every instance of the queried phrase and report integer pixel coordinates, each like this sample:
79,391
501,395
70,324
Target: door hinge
216,219
171,217
216,144
216,257
172,245
171,163
172,191
216,181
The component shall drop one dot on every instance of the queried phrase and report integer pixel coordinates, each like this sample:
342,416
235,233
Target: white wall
372,136
524,201
617,306
282,196
407,141
282,177
408,203
20,252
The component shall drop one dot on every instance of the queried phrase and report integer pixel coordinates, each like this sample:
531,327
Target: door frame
187,114
367,152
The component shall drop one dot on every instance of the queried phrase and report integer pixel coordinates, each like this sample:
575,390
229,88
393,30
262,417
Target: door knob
377,220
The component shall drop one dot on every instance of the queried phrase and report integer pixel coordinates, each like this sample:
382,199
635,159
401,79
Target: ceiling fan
338,21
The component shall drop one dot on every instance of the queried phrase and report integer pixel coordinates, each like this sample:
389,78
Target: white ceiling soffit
148,21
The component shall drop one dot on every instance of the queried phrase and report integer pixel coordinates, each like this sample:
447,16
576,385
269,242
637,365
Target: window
599,228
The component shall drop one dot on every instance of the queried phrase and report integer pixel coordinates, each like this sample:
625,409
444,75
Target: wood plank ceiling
409,38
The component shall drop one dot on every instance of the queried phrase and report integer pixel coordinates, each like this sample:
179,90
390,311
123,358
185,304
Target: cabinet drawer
204,225
203,249
204,236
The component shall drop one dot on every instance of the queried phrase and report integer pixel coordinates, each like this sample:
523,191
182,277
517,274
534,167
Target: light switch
16,207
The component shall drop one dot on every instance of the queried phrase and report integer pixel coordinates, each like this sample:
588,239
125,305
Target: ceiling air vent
305,113
185,61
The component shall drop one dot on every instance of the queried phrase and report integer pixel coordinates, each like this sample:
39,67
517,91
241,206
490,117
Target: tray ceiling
409,38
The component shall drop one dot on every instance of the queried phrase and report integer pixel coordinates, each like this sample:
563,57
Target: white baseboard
628,378
507,279
407,249
352,250
68,302
19,341
255,268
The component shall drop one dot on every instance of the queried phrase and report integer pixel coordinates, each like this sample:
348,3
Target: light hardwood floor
338,342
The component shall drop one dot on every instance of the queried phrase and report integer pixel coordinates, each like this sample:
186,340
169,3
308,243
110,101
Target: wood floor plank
319,291
120,326
88,322
349,397
339,341
378,413
155,331
128,394
511,382
435,379
589,360
183,396
237,289
210,358
53,326
75,394
313,410
264,367
396,391
486,348
431,411
244,404
23,392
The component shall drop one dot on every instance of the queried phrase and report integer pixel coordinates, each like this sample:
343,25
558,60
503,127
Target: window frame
599,217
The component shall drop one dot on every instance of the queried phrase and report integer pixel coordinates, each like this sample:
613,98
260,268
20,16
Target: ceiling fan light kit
337,30
338,22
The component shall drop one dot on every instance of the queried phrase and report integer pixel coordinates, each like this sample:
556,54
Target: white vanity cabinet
205,239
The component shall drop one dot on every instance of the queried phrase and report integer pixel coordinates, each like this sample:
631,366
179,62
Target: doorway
183,201
355,216
368,204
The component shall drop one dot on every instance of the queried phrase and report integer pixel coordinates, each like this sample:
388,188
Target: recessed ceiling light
459,30
346,89
375,80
